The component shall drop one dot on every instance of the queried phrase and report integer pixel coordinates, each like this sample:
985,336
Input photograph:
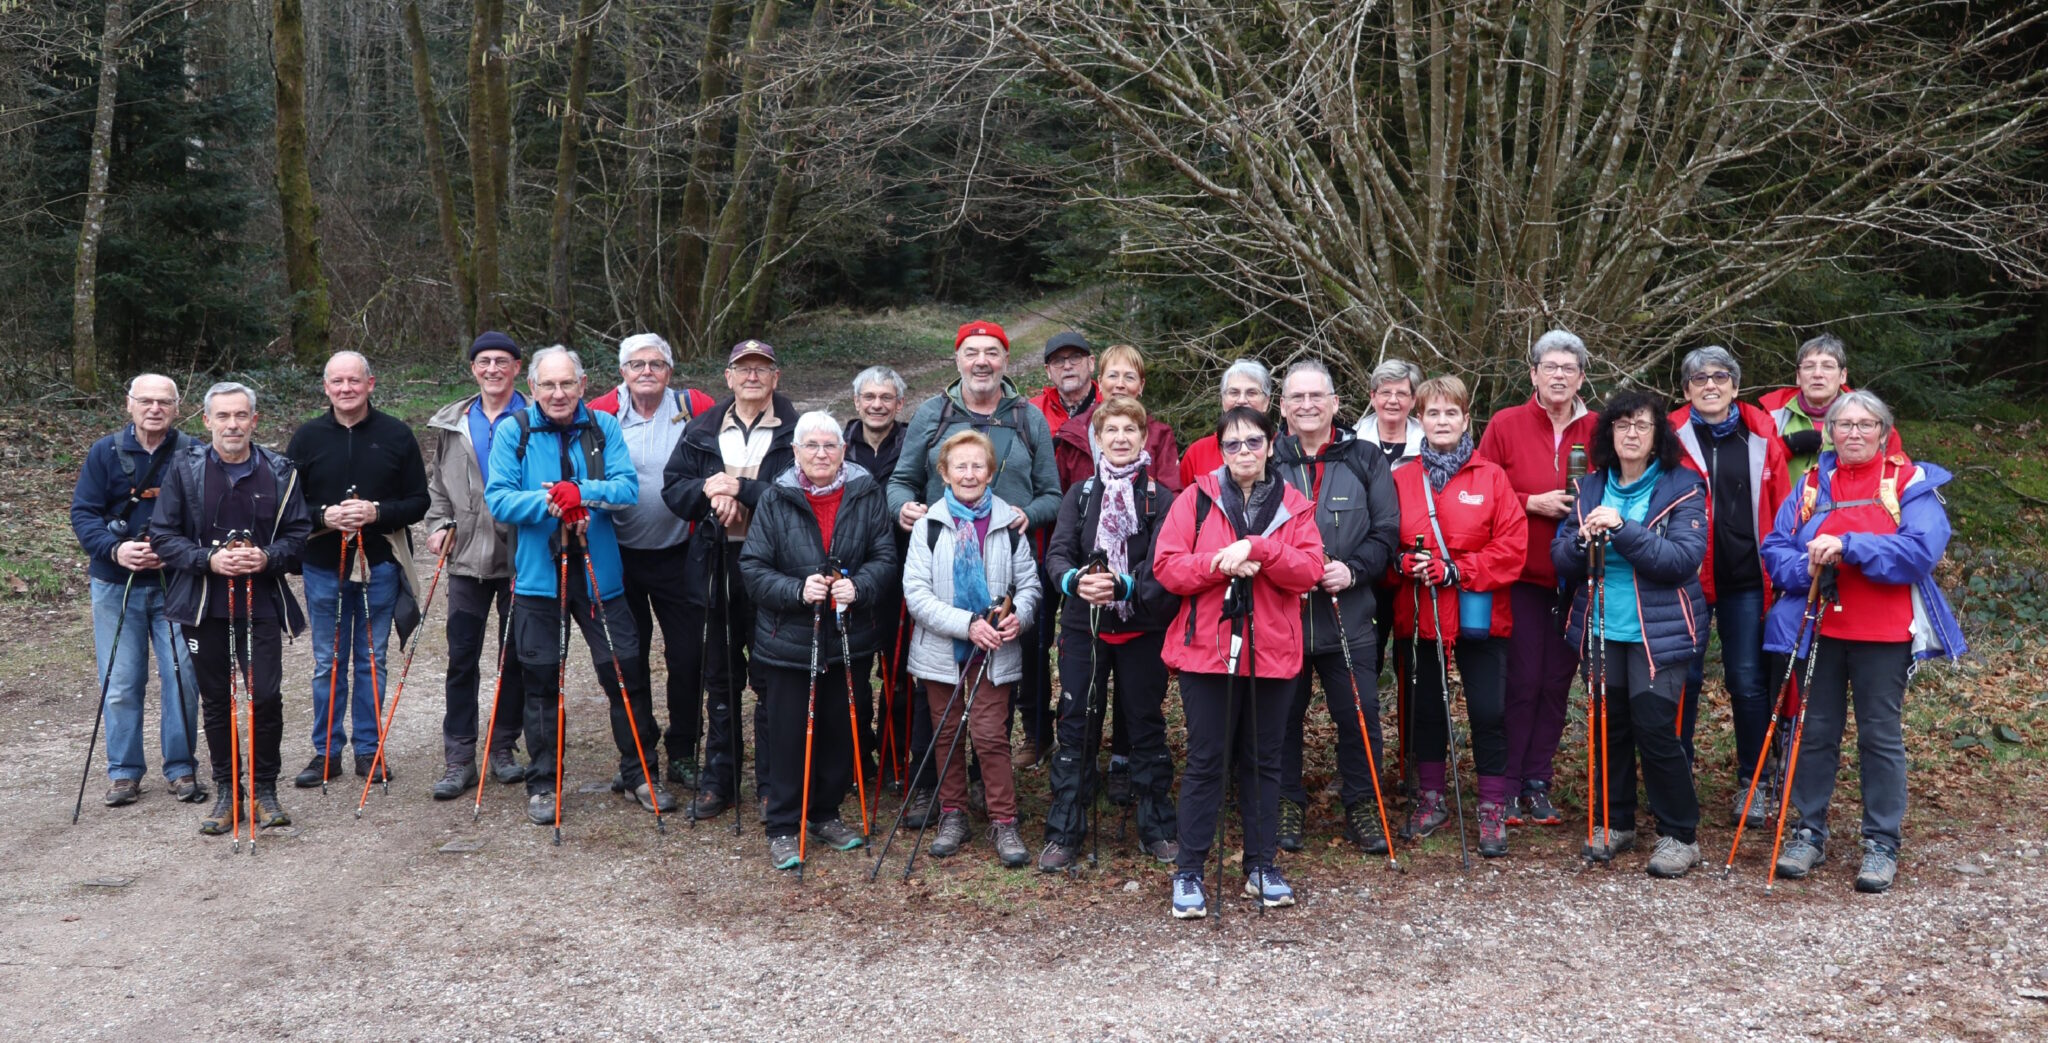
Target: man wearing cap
479,566
724,462
1026,477
1070,366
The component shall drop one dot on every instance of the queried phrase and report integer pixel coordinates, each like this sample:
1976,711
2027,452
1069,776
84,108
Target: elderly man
654,543
721,467
364,484
1070,366
1246,383
1390,423
1533,443
1359,517
874,439
479,566
1798,410
1027,477
558,474
110,512
229,512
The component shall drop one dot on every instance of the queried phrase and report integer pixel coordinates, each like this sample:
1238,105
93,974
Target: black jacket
380,458
116,483
1359,516
180,522
695,458
1073,543
783,547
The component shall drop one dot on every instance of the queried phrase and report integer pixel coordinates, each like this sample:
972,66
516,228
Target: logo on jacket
1471,499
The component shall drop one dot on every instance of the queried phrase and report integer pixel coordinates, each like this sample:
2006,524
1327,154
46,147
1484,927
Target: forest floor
413,922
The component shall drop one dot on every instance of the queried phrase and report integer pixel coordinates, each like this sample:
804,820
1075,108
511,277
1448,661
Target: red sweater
1869,610
1488,533
826,507
1519,440
1204,456
1290,559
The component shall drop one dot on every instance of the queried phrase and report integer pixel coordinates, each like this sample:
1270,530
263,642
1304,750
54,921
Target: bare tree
298,209
446,218
560,301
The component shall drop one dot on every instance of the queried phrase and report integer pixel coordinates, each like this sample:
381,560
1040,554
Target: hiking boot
1802,855
1118,785
648,794
1165,852
1493,829
364,762
1362,827
1291,820
505,767
540,808
1762,810
1880,868
455,781
1269,887
187,788
917,811
683,771
1536,807
1026,755
953,833
269,812
221,818
1429,813
1515,813
1009,845
977,798
1609,843
1189,903
318,772
1672,858
123,793
709,803
785,852
1055,857
837,835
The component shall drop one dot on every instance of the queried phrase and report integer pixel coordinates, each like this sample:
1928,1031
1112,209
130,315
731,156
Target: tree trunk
84,299
485,30
758,290
437,168
640,173
308,284
725,240
560,300
704,153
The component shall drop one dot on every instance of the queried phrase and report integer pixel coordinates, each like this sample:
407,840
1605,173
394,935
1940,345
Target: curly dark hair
1664,447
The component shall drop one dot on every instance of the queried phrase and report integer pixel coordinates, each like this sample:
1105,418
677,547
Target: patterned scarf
1119,521
1442,467
970,576
838,482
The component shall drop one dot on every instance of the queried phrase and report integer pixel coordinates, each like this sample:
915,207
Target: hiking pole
334,664
561,672
234,727
1091,722
852,719
803,825
100,713
497,692
993,616
1443,672
406,671
604,625
890,752
370,651
1237,597
1596,703
1806,621
1825,582
1251,687
734,685
925,762
249,690
1364,737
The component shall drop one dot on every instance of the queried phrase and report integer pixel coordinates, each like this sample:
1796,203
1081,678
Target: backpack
593,449
1887,494
947,412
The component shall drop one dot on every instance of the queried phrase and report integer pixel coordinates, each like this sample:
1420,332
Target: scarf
1813,412
1119,521
1250,517
970,576
838,482
1723,429
1441,467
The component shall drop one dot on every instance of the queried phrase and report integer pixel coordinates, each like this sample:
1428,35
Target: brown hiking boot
123,793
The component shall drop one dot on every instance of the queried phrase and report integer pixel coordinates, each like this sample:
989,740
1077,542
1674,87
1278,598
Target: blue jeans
354,695
146,628
1740,616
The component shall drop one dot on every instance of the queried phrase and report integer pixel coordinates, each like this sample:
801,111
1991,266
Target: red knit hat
979,328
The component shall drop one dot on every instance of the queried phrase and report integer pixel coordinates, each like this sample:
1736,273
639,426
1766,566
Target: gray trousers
1873,674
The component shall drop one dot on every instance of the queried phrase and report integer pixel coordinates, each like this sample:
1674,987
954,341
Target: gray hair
552,351
1869,402
356,357
1310,366
1711,355
1393,371
1559,340
1252,368
140,377
1826,344
817,420
639,342
880,375
227,387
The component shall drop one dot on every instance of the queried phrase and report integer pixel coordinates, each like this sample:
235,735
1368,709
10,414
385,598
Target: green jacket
1026,474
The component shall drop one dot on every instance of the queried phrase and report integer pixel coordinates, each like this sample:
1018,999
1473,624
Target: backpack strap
938,432
1887,495
525,433
593,448
1203,504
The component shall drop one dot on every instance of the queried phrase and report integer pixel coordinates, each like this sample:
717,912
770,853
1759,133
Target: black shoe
1119,787
269,812
363,761
1362,827
837,835
457,781
1537,810
505,767
221,818
709,804
1291,821
683,771
1055,857
921,810
318,772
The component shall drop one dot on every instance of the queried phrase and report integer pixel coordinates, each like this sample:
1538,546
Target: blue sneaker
1269,887
1188,901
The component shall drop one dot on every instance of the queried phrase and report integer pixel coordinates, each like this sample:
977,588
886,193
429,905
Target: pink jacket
1290,556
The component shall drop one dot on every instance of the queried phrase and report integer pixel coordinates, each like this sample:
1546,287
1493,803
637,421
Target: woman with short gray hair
1390,423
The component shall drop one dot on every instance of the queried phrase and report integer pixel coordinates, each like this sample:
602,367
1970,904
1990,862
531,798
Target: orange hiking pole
497,691
619,681
1364,737
234,729
852,719
803,829
384,728
334,663
370,652
1596,701
249,689
1825,582
1807,619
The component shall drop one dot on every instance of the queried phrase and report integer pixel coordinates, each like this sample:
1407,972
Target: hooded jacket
180,522
928,592
1358,517
455,496
1026,475
784,547
1074,451
1769,480
517,496
1665,548
1290,557
1488,535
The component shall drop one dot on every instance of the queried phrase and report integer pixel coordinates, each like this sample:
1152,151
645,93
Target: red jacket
1056,416
697,401
1518,439
1290,556
1203,456
1488,532
1075,457
1770,478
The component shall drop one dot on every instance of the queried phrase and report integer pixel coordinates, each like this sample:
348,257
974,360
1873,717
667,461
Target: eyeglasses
1700,380
1558,369
752,371
153,403
1861,427
559,387
643,365
1234,446
820,448
487,363
1634,427
1065,359
1304,397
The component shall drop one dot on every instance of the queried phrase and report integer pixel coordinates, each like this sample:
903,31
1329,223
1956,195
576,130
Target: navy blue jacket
103,495
1666,549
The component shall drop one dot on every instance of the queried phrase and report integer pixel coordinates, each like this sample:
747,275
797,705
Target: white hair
1252,368
639,342
1559,340
1393,371
1869,403
1711,355
551,351
140,377
880,375
356,357
227,387
1310,366
818,421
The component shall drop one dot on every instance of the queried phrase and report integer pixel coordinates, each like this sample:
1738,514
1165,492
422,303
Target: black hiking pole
565,621
1251,687
100,712
1364,737
1091,720
924,762
853,721
611,648
1443,672
1237,604
733,682
1597,782
993,617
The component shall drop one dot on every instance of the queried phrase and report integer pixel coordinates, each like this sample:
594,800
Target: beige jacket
455,490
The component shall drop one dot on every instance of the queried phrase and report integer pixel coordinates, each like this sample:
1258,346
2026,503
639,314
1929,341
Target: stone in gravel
1967,869
595,787
1130,887
110,881
456,847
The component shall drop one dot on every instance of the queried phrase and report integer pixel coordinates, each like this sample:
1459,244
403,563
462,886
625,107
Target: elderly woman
816,562
1246,383
1240,547
1734,446
1872,523
1460,509
1390,423
1112,628
1822,376
1643,517
966,557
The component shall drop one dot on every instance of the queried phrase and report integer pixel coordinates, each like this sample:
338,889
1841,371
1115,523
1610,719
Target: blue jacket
114,470
1666,550
1908,557
516,497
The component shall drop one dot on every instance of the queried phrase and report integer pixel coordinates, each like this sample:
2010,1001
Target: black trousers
1483,667
537,624
729,641
1134,672
1355,778
262,657
786,695
1642,722
469,610
1214,736
655,582
1031,697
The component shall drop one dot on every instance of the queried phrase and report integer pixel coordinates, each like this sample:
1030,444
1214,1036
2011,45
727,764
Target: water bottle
1575,466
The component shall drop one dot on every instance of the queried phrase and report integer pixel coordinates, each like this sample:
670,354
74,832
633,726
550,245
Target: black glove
1803,443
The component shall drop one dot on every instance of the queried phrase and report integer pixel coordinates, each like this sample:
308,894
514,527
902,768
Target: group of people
950,560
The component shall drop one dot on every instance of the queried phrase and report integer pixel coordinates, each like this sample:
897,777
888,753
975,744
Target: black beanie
492,340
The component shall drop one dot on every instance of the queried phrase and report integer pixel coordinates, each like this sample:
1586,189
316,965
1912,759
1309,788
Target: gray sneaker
1055,857
1762,811
1673,858
540,809
1009,844
455,781
953,833
1165,852
1880,868
1801,856
921,809
1609,843
784,852
836,834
